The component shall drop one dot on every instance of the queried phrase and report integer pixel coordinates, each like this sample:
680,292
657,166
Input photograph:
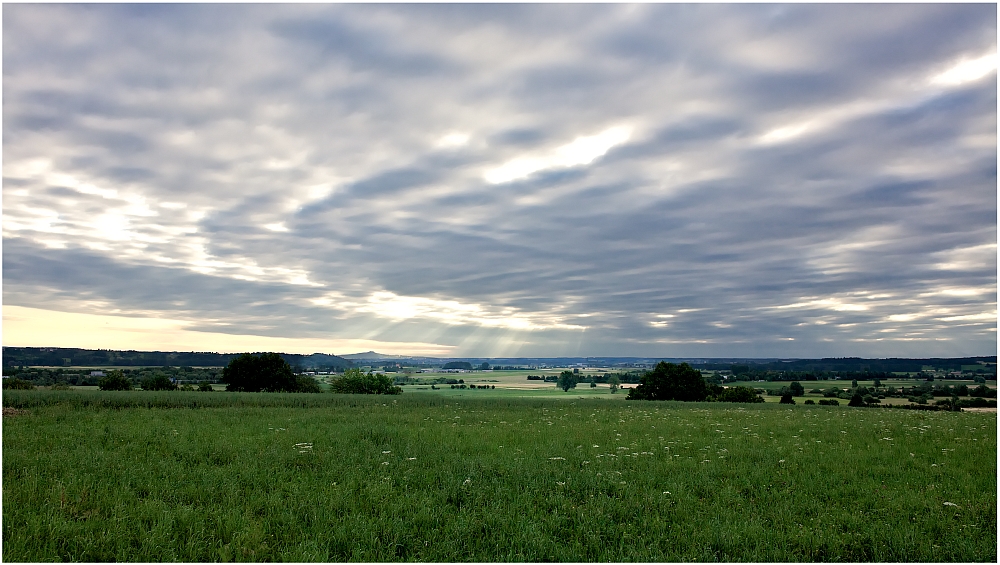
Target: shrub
115,380
810,401
857,400
829,402
356,382
205,386
18,384
61,385
786,399
796,388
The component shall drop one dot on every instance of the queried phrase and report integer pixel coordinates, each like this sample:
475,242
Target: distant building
97,373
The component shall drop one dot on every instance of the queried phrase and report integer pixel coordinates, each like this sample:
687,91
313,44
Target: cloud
500,180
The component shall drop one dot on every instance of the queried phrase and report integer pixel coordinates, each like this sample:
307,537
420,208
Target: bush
356,382
810,401
61,385
786,399
115,380
18,384
205,386
796,388
856,400
829,402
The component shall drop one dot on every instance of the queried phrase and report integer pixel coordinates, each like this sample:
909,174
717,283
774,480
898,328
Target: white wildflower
557,458
951,504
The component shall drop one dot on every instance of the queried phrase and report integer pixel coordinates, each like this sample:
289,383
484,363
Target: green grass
90,476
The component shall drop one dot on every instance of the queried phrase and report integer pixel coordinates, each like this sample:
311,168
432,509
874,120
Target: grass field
144,476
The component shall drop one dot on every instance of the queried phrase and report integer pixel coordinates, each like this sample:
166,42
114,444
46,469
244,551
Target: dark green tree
205,386
857,400
567,380
739,394
18,384
305,383
266,372
668,381
614,382
796,388
115,380
354,381
158,382
786,399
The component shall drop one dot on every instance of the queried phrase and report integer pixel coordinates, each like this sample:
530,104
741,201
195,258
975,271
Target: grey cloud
326,119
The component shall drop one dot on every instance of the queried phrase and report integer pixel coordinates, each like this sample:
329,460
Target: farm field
145,476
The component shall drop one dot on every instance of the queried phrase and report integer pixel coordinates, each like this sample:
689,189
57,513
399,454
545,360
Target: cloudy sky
502,180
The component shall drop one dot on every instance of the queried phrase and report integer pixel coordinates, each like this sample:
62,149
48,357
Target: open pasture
142,476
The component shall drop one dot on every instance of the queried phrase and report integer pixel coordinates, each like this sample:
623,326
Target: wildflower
560,484
666,492
951,504
595,445
411,458
467,481
557,458
386,452
385,462
781,461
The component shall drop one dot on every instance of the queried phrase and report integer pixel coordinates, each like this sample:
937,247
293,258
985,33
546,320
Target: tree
614,382
115,380
485,366
786,399
205,386
18,384
567,380
796,388
854,383
739,394
857,400
267,372
305,383
668,381
593,382
158,382
877,383
356,382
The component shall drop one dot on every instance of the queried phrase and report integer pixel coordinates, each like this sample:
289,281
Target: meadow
187,476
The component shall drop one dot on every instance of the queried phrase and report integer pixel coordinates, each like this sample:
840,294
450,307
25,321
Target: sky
502,180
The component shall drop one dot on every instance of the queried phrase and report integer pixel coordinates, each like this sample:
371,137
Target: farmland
430,476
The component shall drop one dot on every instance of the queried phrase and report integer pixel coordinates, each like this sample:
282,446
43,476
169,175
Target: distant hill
372,355
64,356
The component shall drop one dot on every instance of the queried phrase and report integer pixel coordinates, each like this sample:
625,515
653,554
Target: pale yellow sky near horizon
35,327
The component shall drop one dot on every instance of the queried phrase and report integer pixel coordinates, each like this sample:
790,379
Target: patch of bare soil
979,409
14,412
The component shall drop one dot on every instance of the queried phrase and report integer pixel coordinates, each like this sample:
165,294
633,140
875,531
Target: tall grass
339,478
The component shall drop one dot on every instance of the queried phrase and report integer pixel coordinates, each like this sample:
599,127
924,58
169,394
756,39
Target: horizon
404,357
502,181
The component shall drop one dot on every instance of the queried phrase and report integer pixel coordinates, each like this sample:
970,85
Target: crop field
187,476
